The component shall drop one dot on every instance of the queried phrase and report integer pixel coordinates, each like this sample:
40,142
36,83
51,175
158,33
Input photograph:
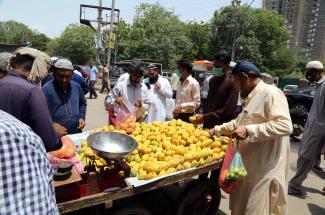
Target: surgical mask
217,71
178,72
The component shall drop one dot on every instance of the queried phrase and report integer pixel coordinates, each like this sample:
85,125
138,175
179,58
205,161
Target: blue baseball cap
246,67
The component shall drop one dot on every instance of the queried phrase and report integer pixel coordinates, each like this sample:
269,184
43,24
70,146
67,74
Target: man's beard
153,80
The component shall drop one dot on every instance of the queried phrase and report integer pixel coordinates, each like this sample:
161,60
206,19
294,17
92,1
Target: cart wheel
134,209
202,198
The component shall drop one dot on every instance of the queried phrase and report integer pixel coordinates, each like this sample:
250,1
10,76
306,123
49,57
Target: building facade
305,22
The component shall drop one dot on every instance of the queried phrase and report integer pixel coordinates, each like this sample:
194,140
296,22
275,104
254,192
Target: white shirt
77,72
173,81
130,95
123,77
188,95
157,110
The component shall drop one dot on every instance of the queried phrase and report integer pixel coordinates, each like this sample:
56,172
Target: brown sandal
323,191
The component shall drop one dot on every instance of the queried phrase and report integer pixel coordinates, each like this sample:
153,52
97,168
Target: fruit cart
171,160
201,188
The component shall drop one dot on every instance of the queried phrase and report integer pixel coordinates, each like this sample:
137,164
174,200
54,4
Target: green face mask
178,73
217,71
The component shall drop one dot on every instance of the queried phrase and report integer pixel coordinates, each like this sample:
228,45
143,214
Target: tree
256,33
14,32
199,34
158,34
76,42
39,41
122,45
283,61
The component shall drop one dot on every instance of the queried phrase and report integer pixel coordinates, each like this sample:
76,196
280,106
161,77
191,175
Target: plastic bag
126,121
237,168
227,185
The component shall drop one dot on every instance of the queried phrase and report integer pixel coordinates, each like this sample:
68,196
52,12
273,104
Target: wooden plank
100,198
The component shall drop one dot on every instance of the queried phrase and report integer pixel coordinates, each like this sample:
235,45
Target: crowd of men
236,102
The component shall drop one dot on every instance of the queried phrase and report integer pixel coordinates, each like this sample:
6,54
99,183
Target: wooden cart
202,188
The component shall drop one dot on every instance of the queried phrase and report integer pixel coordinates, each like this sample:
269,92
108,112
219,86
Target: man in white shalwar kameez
263,128
159,91
313,138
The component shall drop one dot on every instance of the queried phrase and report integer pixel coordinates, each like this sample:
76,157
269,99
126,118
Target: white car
288,88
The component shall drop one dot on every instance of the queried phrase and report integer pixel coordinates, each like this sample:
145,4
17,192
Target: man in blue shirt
65,98
92,80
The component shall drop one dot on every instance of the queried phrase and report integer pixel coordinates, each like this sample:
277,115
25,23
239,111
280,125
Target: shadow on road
315,209
311,190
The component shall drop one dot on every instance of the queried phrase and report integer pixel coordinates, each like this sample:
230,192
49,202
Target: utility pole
236,5
99,28
109,51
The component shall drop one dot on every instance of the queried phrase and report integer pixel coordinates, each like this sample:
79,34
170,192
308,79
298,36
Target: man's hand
177,110
119,100
82,124
198,120
60,130
138,104
240,133
157,85
211,132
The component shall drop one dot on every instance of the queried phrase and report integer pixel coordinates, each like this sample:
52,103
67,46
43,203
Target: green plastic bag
237,168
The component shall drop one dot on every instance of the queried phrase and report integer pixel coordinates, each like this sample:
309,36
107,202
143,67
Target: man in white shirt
129,94
188,92
159,91
173,82
92,80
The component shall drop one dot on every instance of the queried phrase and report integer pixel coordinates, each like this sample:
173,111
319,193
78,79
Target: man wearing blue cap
263,129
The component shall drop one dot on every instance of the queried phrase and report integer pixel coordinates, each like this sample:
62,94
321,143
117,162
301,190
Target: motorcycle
299,119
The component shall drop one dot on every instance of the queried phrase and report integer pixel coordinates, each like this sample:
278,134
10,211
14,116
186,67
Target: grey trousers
303,167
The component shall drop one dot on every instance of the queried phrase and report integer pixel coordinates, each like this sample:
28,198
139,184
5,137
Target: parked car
288,88
166,75
301,99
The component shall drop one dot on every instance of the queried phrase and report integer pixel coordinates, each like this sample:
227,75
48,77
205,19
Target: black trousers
92,91
105,86
184,116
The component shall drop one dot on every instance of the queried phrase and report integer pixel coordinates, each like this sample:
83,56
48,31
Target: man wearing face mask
222,95
313,138
159,91
263,129
188,92
129,93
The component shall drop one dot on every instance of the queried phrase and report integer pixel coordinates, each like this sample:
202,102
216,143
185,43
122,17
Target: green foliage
14,32
260,36
199,35
76,43
39,41
158,34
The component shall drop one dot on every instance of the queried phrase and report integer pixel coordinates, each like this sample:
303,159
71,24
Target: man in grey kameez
314,136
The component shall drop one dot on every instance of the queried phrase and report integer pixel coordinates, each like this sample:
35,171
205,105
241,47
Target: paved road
312,203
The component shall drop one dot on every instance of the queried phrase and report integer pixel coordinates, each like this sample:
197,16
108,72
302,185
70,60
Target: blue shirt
26,102
93,73
25,171
66,107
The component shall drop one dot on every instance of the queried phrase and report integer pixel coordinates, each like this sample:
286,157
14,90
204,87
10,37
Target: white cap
63,64
314,65
232,64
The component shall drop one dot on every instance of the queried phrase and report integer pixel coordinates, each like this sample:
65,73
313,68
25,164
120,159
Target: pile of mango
86,156
168,147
